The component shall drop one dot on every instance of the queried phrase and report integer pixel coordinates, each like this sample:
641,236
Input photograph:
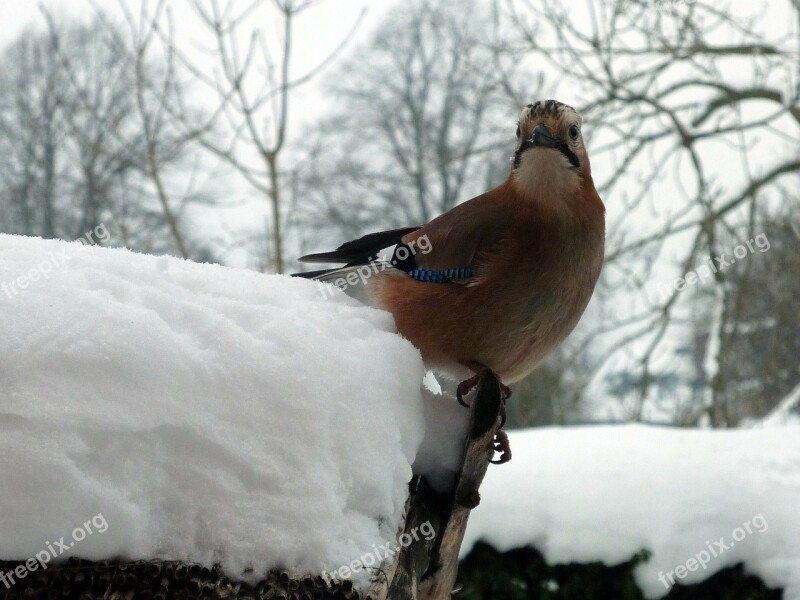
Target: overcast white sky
317,31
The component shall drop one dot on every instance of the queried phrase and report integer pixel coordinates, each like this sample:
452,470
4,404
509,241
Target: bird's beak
541,137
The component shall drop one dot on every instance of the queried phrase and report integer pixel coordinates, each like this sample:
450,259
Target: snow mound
207,414
603,493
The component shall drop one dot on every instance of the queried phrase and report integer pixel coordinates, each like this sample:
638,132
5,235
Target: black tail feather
313,274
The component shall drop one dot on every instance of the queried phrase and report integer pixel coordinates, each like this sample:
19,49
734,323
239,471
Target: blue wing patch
403,259
442,276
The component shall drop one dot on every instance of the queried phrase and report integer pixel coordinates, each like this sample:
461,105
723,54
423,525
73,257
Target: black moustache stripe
573,160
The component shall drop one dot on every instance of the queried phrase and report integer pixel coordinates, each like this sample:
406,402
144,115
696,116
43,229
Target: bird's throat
547,176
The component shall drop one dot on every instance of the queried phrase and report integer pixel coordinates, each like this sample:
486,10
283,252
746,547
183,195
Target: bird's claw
465,387
501,445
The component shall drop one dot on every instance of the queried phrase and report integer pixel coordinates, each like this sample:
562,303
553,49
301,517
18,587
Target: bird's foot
502,446
466,386
501,443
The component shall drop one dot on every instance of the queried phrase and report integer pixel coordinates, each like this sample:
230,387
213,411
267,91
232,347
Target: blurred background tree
758,329
75,152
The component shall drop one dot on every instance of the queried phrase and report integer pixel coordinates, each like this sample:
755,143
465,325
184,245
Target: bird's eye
574,132
517,130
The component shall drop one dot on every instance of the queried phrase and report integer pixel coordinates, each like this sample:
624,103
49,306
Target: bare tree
755,320
31,137
81,145
122,100
249,79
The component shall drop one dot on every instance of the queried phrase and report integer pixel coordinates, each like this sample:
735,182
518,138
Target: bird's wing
461,241
451,248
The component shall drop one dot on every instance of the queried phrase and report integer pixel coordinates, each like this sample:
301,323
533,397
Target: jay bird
503,278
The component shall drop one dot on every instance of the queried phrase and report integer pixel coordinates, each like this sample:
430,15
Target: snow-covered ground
697,499
205,413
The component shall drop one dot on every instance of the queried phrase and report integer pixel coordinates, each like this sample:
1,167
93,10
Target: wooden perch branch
429,572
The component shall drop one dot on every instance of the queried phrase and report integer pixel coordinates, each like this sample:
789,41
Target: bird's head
550,155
